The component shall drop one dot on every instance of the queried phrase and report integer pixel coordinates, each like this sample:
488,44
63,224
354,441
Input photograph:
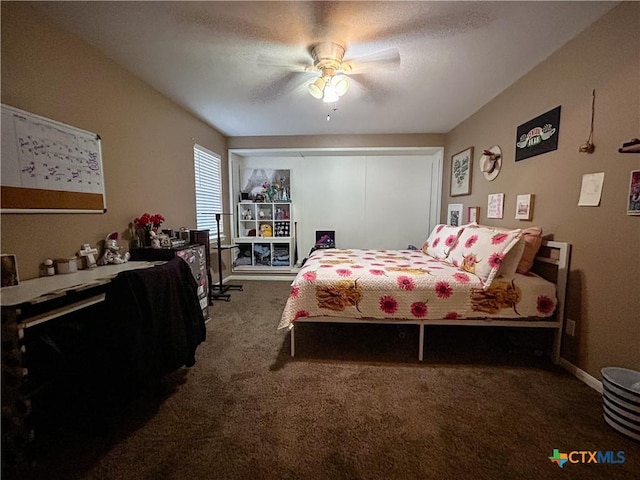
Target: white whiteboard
48,166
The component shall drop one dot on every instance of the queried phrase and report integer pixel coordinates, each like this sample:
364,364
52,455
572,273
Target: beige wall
147,141
603,295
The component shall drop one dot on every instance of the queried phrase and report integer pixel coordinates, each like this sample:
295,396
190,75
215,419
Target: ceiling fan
332,82
332,73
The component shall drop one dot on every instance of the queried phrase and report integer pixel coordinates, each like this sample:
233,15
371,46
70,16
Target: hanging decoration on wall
539,135
632,146
491,162
588,146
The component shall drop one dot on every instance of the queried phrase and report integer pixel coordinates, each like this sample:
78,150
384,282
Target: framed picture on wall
461,164
634,194
524,207
473,214
454,214
539,135
495,205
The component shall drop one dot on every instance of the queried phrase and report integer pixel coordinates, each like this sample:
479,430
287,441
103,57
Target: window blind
208,182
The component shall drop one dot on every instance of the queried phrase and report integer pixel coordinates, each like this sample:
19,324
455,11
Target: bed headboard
552,263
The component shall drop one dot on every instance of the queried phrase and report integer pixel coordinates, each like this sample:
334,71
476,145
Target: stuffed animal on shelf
111,255
266,230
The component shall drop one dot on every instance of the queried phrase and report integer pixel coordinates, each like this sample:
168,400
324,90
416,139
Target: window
208,180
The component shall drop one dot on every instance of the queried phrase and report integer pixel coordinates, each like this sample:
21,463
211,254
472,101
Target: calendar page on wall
48,166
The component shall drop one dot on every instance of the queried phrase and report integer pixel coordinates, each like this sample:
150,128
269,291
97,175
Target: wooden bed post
421,342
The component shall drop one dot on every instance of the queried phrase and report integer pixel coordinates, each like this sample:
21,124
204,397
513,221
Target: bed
470,275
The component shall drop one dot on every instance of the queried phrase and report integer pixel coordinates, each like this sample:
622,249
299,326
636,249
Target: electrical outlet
570,327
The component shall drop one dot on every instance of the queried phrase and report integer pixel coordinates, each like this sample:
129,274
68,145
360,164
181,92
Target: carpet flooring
355,403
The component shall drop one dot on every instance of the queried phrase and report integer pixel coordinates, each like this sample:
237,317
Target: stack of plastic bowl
621,400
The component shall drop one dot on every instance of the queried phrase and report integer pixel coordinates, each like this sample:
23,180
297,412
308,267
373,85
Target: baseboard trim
581,375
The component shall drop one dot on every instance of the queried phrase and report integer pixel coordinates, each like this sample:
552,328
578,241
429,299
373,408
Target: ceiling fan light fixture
340,85
316,88
330,94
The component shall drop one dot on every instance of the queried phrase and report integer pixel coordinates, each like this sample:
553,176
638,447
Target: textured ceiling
239,65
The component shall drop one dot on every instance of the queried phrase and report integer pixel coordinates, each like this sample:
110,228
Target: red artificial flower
156,220
147,220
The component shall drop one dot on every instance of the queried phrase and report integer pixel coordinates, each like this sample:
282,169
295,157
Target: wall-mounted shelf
632,146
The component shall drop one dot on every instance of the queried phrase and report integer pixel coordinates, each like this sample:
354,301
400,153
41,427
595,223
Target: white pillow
510,262
482,251
441,240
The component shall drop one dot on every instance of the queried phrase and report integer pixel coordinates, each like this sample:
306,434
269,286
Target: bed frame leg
293,342
421,342
557,339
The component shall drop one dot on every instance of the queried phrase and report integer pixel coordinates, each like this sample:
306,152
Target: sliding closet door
332,192
371,201
397,201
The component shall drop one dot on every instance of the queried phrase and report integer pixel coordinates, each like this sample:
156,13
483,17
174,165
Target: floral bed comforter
407,285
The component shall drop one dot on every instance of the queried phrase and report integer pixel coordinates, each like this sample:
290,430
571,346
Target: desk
27,305
59,294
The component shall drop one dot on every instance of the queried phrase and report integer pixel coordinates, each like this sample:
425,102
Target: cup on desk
66,265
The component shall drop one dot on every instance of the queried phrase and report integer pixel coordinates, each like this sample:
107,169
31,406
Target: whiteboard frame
66,126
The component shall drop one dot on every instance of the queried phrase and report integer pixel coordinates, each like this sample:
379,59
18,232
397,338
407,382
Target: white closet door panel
397,201
332,199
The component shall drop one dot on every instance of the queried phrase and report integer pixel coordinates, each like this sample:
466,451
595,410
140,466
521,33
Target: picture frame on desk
10,277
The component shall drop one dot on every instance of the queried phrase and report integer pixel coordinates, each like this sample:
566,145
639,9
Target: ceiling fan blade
210,19
387,58
372,90
435,20
298,65
283,85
